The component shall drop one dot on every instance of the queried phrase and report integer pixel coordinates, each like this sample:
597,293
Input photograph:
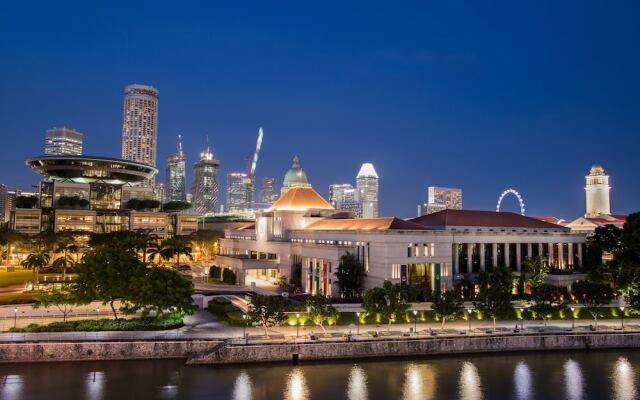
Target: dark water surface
548,376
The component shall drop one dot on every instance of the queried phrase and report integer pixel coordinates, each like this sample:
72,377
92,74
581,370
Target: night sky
478,95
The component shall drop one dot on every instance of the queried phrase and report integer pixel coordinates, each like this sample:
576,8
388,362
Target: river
544,375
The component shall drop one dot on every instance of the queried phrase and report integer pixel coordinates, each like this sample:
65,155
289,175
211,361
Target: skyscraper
368,186
5,209
140,124
597,190
205,183
441,198
176,175
240,191
268,194
63,141
339,193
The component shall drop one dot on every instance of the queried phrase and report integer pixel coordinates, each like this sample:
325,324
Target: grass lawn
16,278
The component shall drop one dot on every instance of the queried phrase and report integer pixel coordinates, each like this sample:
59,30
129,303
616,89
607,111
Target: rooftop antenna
179,143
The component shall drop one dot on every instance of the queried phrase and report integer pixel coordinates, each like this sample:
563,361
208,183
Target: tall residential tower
205,183
368,186
140,124
175,175
240,191
63,141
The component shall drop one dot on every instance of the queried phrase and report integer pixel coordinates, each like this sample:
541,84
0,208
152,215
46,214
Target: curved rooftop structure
295,177
301,199
88,169
367,170
597,169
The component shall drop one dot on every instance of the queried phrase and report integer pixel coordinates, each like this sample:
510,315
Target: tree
106,274
206,242
26,201
630,235
389,301
548,299
448,305
35,262
320,309
9,239
66,260
608,238
539,269
175,247
64,301
494,297
350,275
267,311
160,290
176,206
592,296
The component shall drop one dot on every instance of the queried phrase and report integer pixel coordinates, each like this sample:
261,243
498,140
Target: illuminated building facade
441,198
368,187
175,175
340,193
204,190
268,194
597,191
240,192
61,141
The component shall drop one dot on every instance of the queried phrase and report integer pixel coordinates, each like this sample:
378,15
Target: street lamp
522,310
469,311
358,323
415,321
244,325
622,316
573,318
297,325
97,314
15,316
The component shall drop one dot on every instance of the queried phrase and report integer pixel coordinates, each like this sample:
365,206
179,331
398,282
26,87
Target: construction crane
252,160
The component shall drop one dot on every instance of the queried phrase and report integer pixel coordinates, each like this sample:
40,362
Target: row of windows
424,250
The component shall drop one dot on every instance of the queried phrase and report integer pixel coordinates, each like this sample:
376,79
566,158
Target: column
518,257
470,257
507,254
482,254
561,256
540,249
454,250
570,259
580,254
529,250
551,255
495,255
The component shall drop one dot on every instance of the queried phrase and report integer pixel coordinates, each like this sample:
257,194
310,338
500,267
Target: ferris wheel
515,193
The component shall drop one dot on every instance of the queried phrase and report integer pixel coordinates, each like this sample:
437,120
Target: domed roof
597,169
295,177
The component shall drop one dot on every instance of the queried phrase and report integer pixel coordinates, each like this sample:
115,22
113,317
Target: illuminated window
395,271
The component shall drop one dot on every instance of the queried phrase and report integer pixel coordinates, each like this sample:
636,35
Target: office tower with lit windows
339,193
205,183
367,190
175,175
240,191
63,141
140,125
268,194
441,198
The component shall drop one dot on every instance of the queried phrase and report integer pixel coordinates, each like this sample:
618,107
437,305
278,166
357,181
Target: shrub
90,325
214,273
228,276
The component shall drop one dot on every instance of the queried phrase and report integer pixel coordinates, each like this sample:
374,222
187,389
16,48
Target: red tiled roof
551,220
481,218
364,224
300,199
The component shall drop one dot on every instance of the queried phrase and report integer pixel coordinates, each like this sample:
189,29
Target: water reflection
522,378
243,388
624,382
419,382
94,385
574,386
11,387
469,383
357,385
170,390
296,386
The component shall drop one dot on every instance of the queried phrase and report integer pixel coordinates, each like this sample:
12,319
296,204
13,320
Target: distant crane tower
515,193
251,160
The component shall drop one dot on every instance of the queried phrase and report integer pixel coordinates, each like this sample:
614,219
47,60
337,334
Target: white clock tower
597,191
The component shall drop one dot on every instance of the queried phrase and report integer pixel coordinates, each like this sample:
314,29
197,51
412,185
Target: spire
179,143
296,162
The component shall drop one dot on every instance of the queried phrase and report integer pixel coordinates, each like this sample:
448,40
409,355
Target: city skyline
457,116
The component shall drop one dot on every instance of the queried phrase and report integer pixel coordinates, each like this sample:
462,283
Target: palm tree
9,239
144,242
175,246
66,260
35,261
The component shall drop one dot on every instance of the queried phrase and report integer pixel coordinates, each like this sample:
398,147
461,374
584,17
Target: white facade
63,141
597,191
368,188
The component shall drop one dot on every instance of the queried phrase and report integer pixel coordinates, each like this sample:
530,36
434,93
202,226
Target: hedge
90,325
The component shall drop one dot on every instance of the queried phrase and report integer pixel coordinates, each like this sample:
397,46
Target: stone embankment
221,352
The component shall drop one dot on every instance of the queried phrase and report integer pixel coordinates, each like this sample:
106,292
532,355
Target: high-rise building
340,193
140,125
5,212
205,183
175,175
295,177
268,194
441,198
240,191
368,186
63,141
597,190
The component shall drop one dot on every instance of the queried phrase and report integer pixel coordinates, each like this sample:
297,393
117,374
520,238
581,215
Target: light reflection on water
94,385
357,386
469,383
522,378
243,388
573,383
623,380
296,386
11,387
419,382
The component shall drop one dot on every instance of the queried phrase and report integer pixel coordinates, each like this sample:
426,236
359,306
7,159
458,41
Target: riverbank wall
221,352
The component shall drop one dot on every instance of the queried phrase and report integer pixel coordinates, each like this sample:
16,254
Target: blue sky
478,95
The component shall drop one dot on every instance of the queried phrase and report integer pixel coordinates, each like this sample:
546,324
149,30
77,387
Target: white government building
303,235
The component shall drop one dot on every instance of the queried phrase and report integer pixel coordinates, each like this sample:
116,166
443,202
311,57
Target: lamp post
358,323
244,325
297,325
469,311
522,310
97,314
415,321
15,316
573,318
622,316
